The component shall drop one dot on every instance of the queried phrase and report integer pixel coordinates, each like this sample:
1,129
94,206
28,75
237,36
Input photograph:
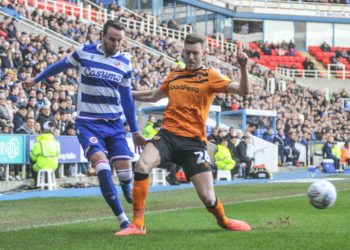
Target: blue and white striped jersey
100,78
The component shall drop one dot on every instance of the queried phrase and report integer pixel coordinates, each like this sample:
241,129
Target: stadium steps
317,64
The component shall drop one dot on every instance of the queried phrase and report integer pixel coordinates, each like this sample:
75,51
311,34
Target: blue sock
110,192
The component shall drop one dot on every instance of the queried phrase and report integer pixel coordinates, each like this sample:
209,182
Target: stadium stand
272,55
301,111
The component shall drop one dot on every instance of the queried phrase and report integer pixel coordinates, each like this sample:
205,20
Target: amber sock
140,191
218,211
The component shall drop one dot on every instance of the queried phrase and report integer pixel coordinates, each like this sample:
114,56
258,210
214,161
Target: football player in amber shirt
183,137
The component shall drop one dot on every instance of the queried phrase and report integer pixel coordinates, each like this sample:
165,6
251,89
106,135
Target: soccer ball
322,194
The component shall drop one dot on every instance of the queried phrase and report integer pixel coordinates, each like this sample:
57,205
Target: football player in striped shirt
104,94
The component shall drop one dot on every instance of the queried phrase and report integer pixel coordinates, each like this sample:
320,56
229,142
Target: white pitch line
151,212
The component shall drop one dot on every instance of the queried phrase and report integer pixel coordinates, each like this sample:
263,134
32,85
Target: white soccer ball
322,194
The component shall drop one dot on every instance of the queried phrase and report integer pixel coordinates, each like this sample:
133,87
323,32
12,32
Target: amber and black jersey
190,95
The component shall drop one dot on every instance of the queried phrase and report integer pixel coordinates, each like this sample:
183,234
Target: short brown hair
193,38
114,24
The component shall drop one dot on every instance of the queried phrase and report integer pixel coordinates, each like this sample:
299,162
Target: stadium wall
334,85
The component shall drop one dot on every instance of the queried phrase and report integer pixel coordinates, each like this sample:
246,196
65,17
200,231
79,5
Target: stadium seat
46,178
158,176
223,174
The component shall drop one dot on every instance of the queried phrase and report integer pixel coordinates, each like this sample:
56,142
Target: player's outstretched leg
104,173
125,179
140,191
233,225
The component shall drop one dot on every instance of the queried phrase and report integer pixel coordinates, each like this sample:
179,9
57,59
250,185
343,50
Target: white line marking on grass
309,180
151,212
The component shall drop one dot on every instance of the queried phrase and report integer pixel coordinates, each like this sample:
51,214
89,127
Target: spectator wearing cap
44,116
19,117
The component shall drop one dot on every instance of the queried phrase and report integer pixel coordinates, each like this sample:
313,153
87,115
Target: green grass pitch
280,215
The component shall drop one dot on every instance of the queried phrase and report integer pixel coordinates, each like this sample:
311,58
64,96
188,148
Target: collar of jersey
200,68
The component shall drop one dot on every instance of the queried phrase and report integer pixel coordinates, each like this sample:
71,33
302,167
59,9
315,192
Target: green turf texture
280,215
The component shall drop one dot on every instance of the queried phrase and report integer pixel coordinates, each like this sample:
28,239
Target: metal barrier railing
328,74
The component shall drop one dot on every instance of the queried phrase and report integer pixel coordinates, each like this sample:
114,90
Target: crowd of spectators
303,112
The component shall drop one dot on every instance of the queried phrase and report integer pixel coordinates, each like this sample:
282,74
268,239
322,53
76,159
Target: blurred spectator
19,117
279,140
37,128
27,127
325,47
269,135
345,153
40,99
214,136
45,153
148,131
223,158
6,111
292,152
44,116
241,154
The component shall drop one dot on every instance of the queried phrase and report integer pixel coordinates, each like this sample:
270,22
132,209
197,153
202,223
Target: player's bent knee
209,202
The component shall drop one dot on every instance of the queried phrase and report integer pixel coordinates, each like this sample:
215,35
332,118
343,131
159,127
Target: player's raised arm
149,95
52,70
243,87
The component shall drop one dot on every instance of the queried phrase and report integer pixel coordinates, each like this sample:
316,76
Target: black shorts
190,153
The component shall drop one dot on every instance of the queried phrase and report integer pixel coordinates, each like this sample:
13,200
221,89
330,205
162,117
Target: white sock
101,165
122,217
124,175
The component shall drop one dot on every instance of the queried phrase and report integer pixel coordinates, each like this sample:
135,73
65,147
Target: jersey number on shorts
202,157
